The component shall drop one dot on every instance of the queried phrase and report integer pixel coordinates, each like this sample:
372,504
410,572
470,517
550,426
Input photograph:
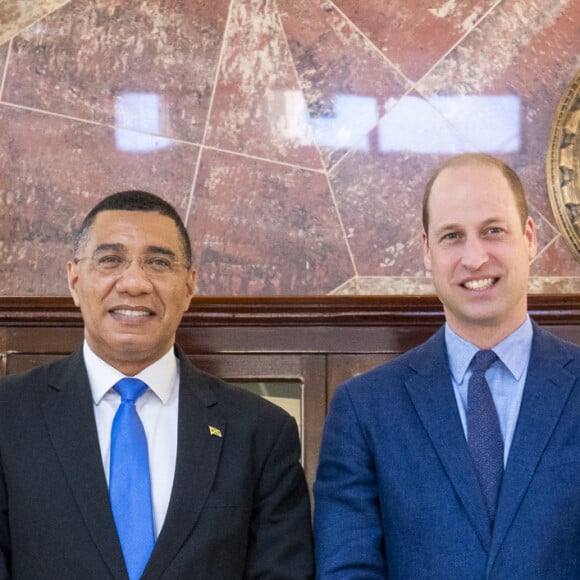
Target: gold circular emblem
563,166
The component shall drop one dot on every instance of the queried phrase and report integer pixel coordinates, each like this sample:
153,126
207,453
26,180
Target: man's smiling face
478,251
131,317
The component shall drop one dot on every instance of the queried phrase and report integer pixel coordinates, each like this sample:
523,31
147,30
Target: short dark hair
479,159
134,200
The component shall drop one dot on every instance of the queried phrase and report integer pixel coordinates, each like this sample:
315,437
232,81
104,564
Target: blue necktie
129,483
483,432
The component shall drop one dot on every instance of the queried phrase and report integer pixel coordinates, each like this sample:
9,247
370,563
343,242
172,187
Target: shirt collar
513,351
160,376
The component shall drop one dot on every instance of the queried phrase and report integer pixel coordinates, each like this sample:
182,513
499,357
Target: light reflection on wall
439,125
452,124
297,125
354,117
138,120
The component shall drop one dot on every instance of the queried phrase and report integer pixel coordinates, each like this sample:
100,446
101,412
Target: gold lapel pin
214,431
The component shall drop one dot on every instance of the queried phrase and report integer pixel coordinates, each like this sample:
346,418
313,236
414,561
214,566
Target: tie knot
482,360
130,389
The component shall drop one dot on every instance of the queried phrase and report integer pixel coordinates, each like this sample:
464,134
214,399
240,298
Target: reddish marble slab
15,15
260,228
89,59
3,55
555,260
258,108
321,89
347,83
547,240
524,50
414,35
53,171
379,198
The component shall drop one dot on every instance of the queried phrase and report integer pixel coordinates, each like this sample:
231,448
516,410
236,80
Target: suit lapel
432,394
548,387
68,411
199,442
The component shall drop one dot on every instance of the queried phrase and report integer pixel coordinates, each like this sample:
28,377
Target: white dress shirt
157,408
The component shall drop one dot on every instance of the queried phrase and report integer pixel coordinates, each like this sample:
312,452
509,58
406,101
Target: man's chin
482,316
130,344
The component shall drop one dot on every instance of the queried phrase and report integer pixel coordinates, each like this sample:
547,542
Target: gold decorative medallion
563,166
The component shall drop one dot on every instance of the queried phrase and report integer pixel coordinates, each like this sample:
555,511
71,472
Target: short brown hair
481,159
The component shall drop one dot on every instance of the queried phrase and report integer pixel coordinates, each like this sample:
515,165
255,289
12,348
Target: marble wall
294,136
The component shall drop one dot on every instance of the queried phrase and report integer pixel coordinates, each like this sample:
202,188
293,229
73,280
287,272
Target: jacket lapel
68,411
432,394
199,442
548,387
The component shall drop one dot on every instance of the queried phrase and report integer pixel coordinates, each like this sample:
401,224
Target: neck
484,337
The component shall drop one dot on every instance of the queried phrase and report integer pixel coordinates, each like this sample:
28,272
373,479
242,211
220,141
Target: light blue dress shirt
506,377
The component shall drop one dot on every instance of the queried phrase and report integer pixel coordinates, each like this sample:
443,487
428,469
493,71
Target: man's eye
158,264
450,236
110,261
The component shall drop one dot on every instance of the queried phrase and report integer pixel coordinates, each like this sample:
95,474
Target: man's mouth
480,285
131,313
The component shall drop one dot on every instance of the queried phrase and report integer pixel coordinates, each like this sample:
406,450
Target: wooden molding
561,309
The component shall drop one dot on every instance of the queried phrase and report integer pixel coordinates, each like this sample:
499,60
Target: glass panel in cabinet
286,394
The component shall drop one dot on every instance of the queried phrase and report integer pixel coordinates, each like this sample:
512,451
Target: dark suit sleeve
4,529
280,543
347,521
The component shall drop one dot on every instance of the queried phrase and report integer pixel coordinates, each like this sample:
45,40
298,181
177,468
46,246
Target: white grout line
5,71
459,41
208,116
322,162
39,19
172,139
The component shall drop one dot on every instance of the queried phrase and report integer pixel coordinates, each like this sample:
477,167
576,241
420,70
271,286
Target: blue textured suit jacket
396,494
239,506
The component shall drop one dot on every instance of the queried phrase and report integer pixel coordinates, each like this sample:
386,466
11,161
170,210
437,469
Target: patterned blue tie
483,432
129,483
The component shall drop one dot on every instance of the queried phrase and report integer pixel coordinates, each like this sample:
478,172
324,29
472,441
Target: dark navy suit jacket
396,494
239,506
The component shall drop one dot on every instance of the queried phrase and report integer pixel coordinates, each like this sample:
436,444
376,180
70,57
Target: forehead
471,194
475,184
133,229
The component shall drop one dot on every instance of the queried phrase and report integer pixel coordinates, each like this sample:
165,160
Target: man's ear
530,233
426,252
190,283
72,272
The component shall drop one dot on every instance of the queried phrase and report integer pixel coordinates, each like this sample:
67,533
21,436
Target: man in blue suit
431,468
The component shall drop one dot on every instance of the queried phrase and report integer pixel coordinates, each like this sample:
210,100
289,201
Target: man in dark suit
433,467
223,496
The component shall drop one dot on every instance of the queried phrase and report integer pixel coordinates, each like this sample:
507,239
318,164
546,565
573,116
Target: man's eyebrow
446,228
109,248
113,247
161,250
456,227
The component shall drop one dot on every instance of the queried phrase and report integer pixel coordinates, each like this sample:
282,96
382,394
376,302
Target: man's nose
133,279
475,253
